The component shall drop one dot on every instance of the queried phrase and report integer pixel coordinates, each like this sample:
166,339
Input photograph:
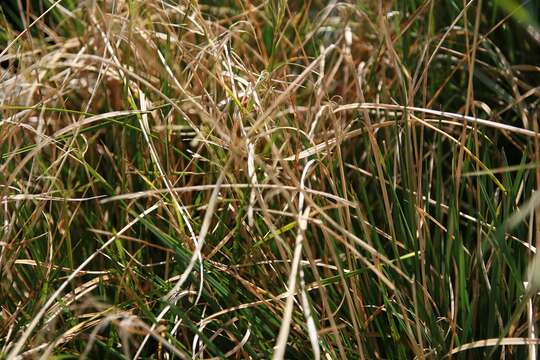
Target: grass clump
243,179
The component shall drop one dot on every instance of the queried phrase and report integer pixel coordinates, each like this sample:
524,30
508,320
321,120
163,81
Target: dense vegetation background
301,179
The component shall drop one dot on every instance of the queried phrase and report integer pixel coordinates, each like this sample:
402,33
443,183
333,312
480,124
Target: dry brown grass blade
494,342
22,33
172,295
39,316
446,114
303,214
287,92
